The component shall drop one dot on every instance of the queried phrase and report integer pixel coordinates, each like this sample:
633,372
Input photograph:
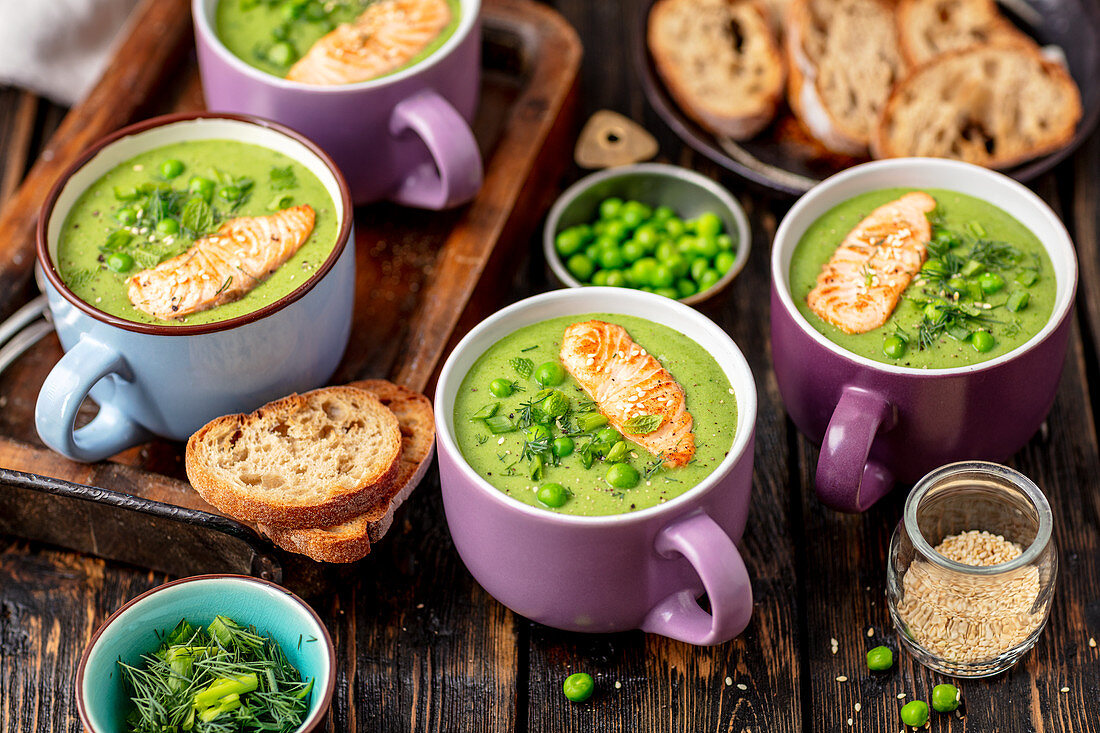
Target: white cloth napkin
58,48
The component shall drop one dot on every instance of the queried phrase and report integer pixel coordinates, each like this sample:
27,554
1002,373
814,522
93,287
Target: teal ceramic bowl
131,631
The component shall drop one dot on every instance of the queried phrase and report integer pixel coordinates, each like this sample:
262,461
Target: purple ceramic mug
404,137
879,422
642,569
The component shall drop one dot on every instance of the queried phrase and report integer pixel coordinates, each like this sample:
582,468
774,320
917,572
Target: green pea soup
271,35
500,458
988,284
123,214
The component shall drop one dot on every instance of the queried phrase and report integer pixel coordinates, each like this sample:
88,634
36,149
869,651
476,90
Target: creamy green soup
986,288
501,438
154,205
272,35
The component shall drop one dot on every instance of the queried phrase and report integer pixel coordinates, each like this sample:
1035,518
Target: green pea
1017,300
615,279
537,432
915,714
171,168
501,387
666,250
663,276
725,242
669,292
708,225
957,283
293,10
581,267
944,239
608,435
570,241
552,495
623,476
991,282
934,267
675,228
126,216
647,235
686,245
549,374
599,278
641,209
611,259
663,213
633,250
609,208
281,54
685,288
894,347
709,279
201,186
578,687
562,447
592,251
120,262
616,229
168,227
706,246
880,658
698,267
316,11
945,698
982,341
932,312
643,270
618,452
230,192
723,261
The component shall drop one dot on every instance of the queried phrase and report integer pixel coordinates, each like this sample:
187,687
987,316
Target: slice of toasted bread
352,540
995,105
844,60
928,28
720,61
309,460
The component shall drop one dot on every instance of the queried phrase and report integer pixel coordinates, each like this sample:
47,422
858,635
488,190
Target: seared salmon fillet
860,285
384,37
625,382
221,267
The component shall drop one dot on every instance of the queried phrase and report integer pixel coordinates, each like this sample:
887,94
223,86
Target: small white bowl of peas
654,227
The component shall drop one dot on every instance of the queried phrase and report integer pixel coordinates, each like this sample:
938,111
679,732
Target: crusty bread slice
352,540
994,105
720,61
928,28
309,460
844,60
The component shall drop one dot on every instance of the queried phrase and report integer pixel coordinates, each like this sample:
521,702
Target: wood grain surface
423,648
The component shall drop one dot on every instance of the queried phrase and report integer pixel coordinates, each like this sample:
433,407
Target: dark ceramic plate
783,158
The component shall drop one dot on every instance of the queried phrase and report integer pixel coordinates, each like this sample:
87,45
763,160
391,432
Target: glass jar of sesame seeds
972,569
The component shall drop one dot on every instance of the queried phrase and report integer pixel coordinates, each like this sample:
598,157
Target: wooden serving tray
416,281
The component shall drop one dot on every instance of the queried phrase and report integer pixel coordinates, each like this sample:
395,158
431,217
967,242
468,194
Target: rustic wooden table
422,648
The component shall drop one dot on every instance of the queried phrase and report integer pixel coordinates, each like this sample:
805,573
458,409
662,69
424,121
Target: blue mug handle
65,388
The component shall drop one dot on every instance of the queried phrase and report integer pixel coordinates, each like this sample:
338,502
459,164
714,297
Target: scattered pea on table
945,698
915,713
880,658
579,686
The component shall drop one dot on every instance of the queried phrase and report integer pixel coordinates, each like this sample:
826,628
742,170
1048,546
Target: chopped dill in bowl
225,678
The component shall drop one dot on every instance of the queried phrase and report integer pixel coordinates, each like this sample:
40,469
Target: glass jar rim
1034,494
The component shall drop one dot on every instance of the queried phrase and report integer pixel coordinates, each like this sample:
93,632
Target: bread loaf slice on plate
844,61
352,540
720,61
928,28
995,105
310,460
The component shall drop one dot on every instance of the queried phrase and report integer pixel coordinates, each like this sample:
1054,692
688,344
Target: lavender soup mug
405,136
640,570
878,422
170,380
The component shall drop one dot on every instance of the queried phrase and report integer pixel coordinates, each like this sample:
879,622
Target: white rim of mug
1029,488
746,405
471,10
781,280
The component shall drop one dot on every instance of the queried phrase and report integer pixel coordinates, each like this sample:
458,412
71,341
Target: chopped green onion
590,421
1017,300
971,268
499,424
1027,278
486,412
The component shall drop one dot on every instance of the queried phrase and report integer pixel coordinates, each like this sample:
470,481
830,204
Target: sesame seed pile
964,618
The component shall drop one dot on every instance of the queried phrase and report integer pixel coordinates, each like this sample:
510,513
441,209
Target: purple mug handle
715,558
456,176
848,479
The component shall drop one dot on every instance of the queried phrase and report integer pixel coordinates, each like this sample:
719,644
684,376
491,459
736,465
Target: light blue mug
170,380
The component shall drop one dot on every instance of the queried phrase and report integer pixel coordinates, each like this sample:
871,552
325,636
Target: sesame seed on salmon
860,285
223,266
385,37
625,383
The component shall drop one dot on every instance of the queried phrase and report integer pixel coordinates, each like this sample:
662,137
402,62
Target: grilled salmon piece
625,382
221,267
860,285
384,37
